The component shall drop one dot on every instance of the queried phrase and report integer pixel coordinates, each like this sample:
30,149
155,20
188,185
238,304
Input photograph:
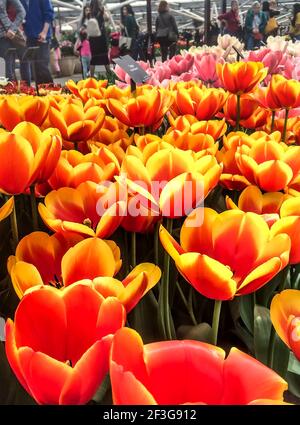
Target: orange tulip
91,209
285,316
271,166
215,128
28,155
241,77
74,168
253,200
111,131
231,177
284,93
74,123
129,291
232,253
257,120
202,102
247,105
63,357
15,109
145,374
7,208
60,260
88,88
200,142
147,109
289,224
171,181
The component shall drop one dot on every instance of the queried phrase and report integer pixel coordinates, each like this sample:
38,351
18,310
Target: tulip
64,357
7,208
91,209
50,260
74,123
241,77
111,131
29,155
205,65
144,374
87,88
180,64
215,128
15,109
284,93
202,102
147,109
74,168
232,253
271,166
129,291
247,107
171,181
285,317
253,200
289,224
231,177
186,140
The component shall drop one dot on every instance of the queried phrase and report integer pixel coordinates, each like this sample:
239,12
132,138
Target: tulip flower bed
150,242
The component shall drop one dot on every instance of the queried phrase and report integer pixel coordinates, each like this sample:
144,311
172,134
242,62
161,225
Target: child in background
83,47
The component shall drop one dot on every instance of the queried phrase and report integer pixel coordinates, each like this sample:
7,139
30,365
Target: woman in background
295,23
86,14
99,45
232,21
130,29
166,31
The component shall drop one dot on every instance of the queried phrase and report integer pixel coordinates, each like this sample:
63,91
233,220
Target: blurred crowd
28,32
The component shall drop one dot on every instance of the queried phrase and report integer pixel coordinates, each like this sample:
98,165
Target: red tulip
188,372
59,343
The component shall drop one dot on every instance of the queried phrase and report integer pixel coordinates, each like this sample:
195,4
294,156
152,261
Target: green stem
35,220
164,305
185,302
273,121
238,112
156,244
216,320
126,256
133,250
285,125
14,226
76,146
281,287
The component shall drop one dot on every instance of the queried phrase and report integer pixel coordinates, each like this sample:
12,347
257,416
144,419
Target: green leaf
293,381
294,364
262,332
247,311
281,357
201,332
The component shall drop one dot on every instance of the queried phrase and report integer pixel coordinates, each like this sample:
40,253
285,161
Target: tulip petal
242,388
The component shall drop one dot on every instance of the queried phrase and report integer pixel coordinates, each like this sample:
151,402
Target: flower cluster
120,179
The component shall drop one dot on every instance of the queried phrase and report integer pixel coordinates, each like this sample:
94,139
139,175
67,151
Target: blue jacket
37,13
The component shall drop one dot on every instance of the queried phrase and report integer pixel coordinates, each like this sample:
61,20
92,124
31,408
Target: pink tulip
180,64
205,64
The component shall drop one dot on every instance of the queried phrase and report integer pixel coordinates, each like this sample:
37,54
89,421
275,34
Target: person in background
295,22
99,45
130,29
12,14
82,45
37,27
255,24
269,9
86,14
231,20
54,46
166,31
